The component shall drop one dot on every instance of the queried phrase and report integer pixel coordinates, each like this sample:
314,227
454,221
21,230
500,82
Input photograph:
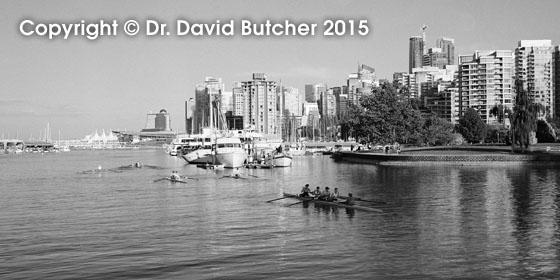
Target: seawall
451,157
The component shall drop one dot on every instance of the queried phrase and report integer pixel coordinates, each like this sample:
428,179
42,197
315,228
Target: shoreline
457,155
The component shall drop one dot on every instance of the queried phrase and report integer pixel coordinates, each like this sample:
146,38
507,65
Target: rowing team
326,194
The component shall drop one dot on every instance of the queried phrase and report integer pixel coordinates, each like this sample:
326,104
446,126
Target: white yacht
230,152
196,148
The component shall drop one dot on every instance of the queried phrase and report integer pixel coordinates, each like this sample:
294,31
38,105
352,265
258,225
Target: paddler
305,191
350,200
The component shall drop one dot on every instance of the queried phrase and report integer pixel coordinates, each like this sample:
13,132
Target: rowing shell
175,180
332,203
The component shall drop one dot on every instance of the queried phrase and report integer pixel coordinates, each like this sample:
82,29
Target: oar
364,200
295,203
277,199
373,201
253,176
160,180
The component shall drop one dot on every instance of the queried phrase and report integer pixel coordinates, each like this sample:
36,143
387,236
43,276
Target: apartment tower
486,80
261,109
533,66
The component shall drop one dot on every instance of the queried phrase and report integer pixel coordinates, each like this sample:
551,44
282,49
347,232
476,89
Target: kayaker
325,195
350,200
175,176
305,191
334,195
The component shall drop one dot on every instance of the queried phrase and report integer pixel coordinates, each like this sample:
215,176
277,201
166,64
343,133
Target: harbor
95,225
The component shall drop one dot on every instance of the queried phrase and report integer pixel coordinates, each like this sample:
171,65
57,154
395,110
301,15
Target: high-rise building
486,80
415,53
447,46
556,61
360,83
261,109
239,106
206,94
327,104
292,101
533,66
313,92
417,82
435,58
444,104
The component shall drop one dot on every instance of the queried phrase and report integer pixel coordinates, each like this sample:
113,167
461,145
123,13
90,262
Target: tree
471,126
524,117
385,117
437,131
545,132
500,112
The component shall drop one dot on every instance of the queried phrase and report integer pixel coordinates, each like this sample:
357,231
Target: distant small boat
175,180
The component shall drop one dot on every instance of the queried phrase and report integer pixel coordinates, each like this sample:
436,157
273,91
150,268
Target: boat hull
198,156
175,180
332,203
282,161
232,159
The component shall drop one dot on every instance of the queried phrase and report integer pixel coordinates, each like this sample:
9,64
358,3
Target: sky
78,86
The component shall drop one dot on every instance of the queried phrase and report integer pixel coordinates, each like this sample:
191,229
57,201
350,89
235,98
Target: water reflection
438,221
535,196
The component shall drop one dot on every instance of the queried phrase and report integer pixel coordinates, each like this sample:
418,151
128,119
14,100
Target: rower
175,176
350,200
138,165
334,195
305,191
325,195
317,192
99,168
235,173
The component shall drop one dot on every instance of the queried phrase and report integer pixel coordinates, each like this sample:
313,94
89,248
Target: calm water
440,222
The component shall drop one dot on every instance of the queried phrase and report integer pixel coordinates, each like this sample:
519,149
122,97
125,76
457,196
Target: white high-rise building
486,80
533,66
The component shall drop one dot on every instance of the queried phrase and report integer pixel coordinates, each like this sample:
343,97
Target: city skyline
79,86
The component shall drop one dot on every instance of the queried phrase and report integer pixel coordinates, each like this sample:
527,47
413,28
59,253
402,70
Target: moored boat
229,152
282,160
333,203
202,154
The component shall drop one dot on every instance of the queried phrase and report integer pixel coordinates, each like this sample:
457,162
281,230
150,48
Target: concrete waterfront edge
457,159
